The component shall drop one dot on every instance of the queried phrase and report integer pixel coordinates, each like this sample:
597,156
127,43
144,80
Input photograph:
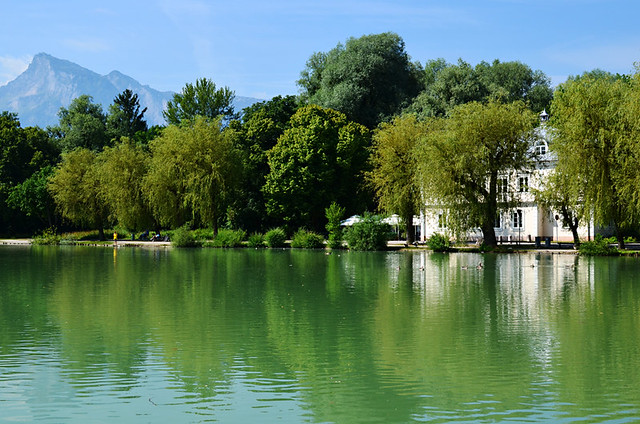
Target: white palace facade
527,221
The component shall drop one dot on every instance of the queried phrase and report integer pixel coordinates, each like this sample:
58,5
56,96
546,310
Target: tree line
370,130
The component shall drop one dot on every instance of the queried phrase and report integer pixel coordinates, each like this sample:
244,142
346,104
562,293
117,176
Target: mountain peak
43,56
40,57
46,60
50,83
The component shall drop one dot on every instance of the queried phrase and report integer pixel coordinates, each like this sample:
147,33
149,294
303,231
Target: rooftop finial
544,116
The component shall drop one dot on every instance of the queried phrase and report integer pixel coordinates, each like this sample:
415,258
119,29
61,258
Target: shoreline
394,245
90,243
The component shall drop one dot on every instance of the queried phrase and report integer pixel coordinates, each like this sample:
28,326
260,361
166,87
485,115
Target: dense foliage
394,168
82,125
334,214
599,246
447,86
125,117
254,136
228,238
200,99
192,174
183,237
461,158
256,240
121,171
306,239
596,123
319,159
370,233
23,153
368,79
276,237
439,242
76,188
563,193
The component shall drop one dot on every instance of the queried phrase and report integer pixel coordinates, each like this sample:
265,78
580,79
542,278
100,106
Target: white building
528,220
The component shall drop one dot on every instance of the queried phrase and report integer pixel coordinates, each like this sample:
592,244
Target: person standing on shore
115,238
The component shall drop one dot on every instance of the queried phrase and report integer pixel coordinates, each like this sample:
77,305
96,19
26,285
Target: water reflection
300,336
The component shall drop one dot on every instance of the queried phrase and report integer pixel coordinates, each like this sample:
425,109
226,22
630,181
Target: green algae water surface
98,335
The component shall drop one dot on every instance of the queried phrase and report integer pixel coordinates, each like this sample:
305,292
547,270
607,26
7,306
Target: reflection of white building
528,220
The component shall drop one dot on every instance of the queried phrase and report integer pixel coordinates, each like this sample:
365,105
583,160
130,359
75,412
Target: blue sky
258,48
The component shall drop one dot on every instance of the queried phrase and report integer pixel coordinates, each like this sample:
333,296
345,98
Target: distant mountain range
50,83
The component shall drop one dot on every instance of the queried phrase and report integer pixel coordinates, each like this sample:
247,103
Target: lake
135,335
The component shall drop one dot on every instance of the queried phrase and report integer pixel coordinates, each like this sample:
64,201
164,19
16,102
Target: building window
516,218
497,221
523,184
442,220
503,185
541,147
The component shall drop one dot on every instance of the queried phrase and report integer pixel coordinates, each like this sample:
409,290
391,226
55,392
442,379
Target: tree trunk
619,236
101,234
408,228
572,223
490,211
574,232
489,233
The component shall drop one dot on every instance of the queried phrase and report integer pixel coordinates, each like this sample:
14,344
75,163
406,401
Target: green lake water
133,335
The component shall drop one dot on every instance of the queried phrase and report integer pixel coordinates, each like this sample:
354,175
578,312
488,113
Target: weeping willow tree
561,192
76,190
394,166
192,174
461,158
121,170
596,127
630,186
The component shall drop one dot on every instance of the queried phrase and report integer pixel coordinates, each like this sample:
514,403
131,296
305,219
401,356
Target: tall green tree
32,197
449,85
76,189
334,214
121,170
513,81
630,185
23,152
200,99
394,168
595,142
318,160
125,118
193,174
82,125
368,79
462,157
254,135
563,193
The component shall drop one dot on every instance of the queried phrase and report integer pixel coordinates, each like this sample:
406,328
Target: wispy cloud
11,67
